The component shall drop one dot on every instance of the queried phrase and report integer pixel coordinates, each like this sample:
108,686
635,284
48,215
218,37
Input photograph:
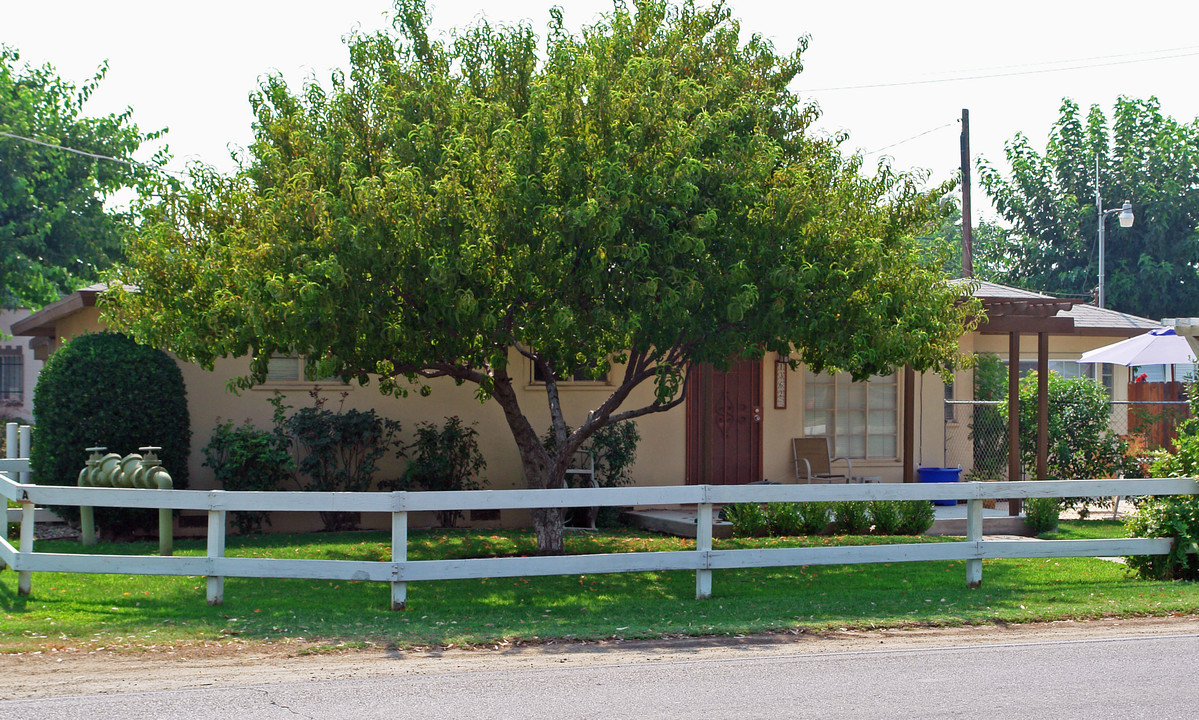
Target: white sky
190,66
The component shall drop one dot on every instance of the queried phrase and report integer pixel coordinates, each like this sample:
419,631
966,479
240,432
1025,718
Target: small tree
636,199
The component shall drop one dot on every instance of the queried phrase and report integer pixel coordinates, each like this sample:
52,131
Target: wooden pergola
1014,313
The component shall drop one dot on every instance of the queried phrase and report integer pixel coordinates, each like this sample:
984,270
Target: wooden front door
724,425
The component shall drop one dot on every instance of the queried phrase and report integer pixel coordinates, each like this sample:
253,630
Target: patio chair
814,460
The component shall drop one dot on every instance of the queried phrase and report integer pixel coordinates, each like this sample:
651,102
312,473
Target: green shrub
814,517
782,518
1174,517
885,515
1081,443
104,389
748,519
851,517
445,458
339,451
1041,514
916,517
247,458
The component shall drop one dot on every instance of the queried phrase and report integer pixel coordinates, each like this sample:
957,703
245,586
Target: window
12,376
580,376
289,369
861,417
1065,368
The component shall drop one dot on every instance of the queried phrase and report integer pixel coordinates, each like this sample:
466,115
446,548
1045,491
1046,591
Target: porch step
680,523
991,526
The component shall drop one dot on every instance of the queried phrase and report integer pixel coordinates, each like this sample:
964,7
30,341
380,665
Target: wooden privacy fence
399,571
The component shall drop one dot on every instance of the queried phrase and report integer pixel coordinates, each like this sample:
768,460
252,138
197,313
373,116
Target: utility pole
967,222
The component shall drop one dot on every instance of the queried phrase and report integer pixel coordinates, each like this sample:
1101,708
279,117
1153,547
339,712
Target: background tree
55,232
645,198
1146,158
990,241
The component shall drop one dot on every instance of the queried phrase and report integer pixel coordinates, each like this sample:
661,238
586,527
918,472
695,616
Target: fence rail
216,566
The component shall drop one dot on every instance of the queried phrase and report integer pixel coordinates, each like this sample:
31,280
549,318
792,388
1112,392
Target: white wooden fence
703,559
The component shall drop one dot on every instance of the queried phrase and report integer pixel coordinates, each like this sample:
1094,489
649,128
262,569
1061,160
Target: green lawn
142,611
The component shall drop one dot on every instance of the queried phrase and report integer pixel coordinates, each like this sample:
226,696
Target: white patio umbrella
1156,347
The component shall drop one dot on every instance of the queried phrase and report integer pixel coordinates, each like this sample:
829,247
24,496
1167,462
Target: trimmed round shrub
814,517
104,389
916,517
886,516
851,517
748,519
1041,514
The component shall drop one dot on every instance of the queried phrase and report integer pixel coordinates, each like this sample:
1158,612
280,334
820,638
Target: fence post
399,556
25,444
703,543
216,546
25,577
974,534
10,451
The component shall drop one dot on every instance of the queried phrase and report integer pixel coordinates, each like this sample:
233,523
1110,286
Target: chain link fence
976,432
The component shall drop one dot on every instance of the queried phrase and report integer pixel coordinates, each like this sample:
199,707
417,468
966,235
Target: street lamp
1126,218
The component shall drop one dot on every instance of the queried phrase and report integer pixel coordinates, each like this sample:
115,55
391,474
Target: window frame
842,440
605,381
12,366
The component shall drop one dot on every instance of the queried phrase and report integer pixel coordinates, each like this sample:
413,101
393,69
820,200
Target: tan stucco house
734,428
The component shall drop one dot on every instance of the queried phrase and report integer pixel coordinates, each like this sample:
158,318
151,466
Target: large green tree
55,232
634,199
1145,157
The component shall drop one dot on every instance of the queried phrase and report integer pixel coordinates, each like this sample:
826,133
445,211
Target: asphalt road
1114,677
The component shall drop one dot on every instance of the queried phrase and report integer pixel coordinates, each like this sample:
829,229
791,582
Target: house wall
30,366
661,456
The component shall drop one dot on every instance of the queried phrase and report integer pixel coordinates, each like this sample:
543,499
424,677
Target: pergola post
1013,416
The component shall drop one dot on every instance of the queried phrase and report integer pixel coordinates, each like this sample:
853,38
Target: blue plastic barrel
940,475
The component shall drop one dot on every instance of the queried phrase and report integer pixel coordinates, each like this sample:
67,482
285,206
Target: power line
914,137
85,153
984,75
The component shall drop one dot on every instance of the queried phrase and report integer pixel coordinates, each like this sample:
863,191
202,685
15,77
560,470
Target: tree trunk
542,469
550,524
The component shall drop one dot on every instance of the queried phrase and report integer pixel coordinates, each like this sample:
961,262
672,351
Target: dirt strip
57,672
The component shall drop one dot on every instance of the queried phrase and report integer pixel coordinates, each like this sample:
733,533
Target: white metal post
703,543
216,549
974,534
399,555
24,443
10,452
